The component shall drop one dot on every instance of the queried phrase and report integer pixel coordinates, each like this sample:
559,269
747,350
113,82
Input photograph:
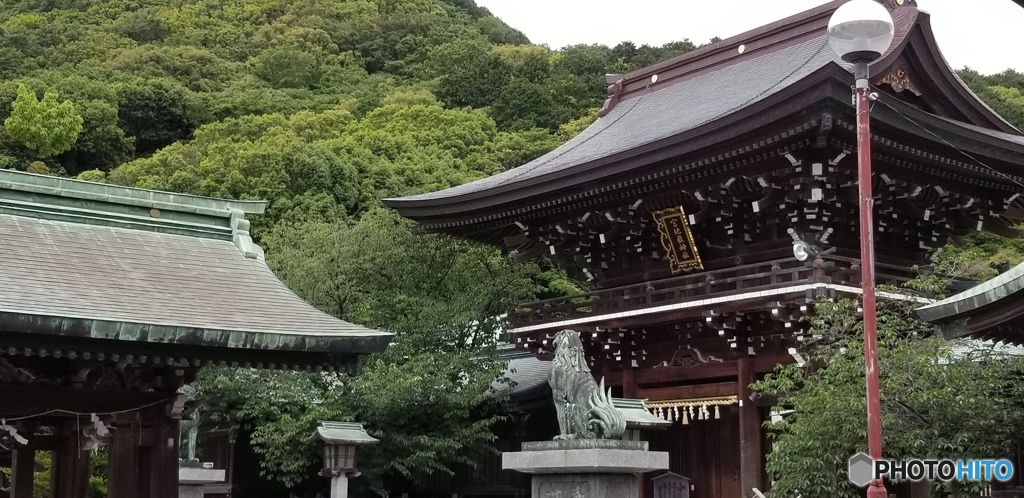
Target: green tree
93,175
155,113
47,127
429,398
288,68
143,26
470,74
932,394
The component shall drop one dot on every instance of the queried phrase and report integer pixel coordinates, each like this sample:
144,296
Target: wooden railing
716,283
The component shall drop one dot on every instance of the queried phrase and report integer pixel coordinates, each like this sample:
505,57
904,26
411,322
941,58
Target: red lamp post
860,31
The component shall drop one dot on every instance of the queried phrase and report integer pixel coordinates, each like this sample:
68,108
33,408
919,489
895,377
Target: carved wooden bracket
899,80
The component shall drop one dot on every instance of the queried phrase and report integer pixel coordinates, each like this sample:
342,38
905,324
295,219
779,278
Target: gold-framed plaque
677,240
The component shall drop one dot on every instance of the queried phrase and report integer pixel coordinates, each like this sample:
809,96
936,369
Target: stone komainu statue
584,409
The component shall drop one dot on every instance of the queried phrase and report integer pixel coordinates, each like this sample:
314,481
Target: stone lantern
340,440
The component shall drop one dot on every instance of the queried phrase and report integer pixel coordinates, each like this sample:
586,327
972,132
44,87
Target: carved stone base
586,486
585,456
581,468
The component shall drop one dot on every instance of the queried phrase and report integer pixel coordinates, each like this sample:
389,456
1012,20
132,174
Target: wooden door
706,451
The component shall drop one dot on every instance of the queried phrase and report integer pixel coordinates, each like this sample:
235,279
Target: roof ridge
90,203
69,187
747,45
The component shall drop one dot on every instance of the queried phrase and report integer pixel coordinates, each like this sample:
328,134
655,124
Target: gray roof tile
114,270
666,112
54,268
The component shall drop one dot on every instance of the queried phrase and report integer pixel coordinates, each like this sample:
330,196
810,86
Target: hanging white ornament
13,432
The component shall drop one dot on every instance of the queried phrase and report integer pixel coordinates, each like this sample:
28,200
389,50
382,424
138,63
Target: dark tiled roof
528,374
663,113
1000,135
691,104
78,261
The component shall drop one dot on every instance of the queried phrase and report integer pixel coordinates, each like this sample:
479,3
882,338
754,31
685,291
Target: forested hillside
323,108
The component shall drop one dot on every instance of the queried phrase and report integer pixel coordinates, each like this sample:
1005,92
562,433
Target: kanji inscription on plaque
677,240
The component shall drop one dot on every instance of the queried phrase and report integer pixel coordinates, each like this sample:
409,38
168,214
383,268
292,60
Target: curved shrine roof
692,94
658,114
91,261
991,310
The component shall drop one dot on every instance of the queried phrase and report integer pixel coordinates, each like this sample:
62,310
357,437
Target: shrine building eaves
123,267
764,84
991,310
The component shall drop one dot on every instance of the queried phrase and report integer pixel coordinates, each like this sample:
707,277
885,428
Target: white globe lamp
860,31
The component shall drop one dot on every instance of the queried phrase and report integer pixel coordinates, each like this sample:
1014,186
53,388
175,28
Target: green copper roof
989,311
343,433
91,261
984,294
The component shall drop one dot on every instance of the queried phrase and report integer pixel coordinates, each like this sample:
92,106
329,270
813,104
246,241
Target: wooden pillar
123,470
23,471
69,474
750,430
629,383
163,456
629,391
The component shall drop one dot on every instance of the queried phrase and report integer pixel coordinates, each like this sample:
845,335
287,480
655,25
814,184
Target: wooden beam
688,392
706,371
20,401
767,364
670,375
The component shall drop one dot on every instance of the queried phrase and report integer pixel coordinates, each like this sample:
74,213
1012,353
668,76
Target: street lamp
860,31
340,440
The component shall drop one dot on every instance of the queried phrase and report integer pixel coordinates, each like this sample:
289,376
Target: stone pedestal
585,468
339,486
193,476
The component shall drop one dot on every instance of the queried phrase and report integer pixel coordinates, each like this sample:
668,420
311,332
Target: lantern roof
342,433
636,413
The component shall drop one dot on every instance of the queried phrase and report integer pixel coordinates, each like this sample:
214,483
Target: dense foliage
429,397
145,74
940,399
1003,92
